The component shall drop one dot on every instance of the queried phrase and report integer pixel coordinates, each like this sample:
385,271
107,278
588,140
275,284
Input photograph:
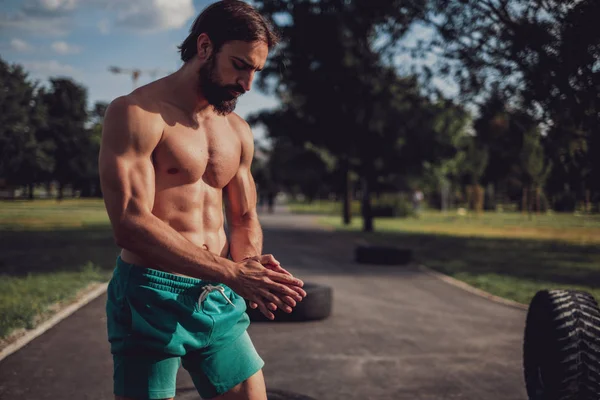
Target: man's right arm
129,138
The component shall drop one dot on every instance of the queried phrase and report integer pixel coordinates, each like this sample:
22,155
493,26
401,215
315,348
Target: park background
490,108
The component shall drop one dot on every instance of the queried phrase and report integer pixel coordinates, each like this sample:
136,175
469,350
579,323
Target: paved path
395,333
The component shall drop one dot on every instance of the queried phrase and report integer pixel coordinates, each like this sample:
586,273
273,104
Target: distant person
171,150
417,200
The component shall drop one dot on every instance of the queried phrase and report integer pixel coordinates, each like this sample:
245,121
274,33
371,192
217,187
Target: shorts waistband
159,279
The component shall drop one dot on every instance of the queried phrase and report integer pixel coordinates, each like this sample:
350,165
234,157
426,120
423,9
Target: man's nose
246,81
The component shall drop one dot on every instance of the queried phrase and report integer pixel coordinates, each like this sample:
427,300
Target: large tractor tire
561,350
382,255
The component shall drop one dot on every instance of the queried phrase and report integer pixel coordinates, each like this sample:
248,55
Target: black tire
315,306
561,349
382,255
285,395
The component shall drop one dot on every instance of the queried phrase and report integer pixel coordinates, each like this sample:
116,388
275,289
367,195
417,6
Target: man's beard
219,96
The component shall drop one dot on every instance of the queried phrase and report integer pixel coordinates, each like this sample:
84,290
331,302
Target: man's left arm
246,238
245,232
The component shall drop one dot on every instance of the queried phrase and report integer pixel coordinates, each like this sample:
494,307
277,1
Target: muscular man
171,151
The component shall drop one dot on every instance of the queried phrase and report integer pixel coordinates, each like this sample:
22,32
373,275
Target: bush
392,206
565,202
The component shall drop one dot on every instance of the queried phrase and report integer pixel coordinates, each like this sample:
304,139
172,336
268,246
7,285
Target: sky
81,39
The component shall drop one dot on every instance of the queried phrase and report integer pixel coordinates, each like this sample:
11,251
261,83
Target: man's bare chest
186,156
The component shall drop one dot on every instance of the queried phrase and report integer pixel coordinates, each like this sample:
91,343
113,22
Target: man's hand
267,286
268,261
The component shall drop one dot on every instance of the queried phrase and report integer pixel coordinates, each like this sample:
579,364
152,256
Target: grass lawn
48,252
506,254
321,207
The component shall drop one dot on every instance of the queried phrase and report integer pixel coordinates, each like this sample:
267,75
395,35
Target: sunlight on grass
50,214
561,227
25,299
48,253
506,254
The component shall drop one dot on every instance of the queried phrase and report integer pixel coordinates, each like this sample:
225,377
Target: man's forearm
153,239
246,238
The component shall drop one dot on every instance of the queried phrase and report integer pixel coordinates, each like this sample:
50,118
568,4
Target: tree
23,156
474,165
334,85
535,168
542,53
88,178
67,116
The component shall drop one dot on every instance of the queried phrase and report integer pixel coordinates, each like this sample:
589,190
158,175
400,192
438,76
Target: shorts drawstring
210,288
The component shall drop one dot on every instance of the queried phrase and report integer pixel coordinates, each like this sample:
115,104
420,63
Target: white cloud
65,48
104,26
36,24
155,15
58,4
49,7
55,17
41,17
50,68
20,45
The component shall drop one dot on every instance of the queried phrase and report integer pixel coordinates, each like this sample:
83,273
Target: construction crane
136,72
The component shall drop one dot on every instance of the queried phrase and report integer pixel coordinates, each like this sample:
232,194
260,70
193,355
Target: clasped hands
267,285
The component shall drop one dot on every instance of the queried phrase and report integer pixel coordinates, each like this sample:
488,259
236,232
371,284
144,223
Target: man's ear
204,47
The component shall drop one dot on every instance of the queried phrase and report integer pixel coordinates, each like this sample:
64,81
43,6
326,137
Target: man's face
229,73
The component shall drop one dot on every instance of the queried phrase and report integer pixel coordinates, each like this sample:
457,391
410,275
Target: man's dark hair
228,20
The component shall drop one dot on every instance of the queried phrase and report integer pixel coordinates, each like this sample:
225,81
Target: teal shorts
158,321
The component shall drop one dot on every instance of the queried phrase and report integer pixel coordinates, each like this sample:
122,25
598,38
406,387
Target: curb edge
46,325
471,289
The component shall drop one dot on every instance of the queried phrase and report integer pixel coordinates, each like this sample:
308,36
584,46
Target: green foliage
339,94
535,166
393,205
66,104
24,155
294,169
542,55
475,160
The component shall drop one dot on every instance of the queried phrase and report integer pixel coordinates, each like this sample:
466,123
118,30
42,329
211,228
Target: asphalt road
395,333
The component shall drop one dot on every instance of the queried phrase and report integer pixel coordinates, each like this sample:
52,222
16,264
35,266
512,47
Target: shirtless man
171,151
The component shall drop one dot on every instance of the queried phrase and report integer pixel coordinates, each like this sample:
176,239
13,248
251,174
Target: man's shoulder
240,125
135,110
133,104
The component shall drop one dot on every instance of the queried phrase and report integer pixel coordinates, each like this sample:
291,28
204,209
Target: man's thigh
252,388
129,398
221,369
145,377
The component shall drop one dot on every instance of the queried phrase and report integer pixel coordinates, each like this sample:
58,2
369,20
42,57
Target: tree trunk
524,200
31,188
347,189
469,192
588,206
367,212
538,201
531,201
60,191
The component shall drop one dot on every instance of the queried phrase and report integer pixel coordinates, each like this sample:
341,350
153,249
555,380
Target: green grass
321,207
26,300
40,215
508,255
48,252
